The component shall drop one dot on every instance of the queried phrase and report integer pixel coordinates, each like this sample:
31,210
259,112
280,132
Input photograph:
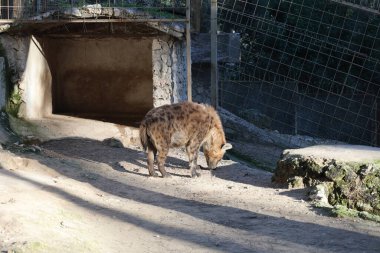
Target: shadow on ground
279,232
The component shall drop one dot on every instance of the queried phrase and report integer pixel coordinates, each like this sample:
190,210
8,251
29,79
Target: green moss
14,102
342,212
377,163
368,216
335,173
352,185
312,166
353,166
372,181
338,195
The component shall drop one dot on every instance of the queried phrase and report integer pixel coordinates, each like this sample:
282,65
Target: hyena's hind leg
161,158
192,150
152,151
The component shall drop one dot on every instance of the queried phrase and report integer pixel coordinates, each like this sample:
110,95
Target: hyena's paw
195,174
166,175
154,174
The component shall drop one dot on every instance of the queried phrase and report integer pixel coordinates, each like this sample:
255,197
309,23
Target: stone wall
169,71
15,52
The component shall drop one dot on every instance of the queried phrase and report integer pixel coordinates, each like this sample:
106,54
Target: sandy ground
80,195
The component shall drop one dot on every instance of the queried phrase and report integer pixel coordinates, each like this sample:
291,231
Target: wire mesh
307,67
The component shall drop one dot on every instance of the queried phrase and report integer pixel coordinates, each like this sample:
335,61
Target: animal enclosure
307,67
97,60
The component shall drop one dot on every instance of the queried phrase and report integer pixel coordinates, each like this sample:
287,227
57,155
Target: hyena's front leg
192,153
161,157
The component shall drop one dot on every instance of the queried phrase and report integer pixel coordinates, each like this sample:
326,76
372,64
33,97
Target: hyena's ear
227,146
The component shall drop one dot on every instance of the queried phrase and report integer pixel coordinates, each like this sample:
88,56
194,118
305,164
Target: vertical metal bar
214,54
38,7
296,110
376,135
196,10
188,52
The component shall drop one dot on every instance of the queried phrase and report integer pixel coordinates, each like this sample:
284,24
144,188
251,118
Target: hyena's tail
144,139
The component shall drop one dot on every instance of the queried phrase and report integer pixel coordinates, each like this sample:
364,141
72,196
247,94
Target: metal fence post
188,51
214,53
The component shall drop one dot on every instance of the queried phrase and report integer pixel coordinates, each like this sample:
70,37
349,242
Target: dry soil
80,195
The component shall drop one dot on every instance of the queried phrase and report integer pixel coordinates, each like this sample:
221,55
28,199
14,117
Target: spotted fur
183,124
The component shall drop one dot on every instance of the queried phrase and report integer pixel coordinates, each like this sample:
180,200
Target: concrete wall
30,74
100,76
106,78
38,82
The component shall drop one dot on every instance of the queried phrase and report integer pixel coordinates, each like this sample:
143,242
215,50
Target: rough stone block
351,172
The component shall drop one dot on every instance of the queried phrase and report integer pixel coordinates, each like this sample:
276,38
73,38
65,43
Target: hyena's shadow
122,159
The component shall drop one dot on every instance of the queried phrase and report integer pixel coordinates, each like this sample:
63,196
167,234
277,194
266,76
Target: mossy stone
336,173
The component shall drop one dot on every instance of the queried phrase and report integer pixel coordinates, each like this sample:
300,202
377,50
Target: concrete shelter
76,80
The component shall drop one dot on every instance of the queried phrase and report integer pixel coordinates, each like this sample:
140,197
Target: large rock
347,175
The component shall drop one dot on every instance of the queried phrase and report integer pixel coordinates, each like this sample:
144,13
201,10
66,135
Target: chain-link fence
306,67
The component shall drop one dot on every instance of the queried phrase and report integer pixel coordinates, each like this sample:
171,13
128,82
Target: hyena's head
214,150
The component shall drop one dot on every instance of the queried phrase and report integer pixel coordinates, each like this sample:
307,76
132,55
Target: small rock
31,140
319,194
113,142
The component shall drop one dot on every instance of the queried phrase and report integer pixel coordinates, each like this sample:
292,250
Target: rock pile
346,175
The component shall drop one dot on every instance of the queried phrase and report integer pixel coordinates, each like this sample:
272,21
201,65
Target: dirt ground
80,195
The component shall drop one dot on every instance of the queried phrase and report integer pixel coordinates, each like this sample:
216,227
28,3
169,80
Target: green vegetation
342,211
14,102
353,185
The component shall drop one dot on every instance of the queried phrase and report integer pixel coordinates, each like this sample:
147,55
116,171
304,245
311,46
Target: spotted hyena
184,124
